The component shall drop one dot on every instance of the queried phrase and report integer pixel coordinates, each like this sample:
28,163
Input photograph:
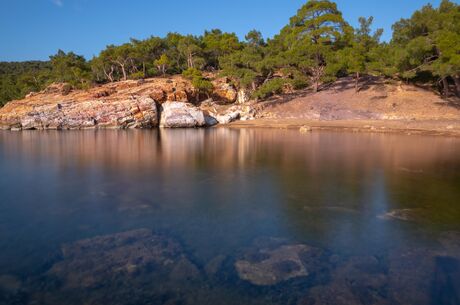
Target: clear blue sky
35,29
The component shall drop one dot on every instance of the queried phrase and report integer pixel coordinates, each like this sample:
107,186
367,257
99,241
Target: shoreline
425,127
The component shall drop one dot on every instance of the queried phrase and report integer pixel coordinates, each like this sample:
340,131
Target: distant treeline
316,47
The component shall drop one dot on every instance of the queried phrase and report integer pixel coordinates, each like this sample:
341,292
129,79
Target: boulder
210,120
181,115
228,116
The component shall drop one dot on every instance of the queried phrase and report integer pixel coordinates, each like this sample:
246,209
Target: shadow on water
228,216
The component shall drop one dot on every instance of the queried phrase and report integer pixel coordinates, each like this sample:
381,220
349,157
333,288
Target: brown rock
224,91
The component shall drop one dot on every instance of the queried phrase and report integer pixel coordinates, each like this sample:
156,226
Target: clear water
383,211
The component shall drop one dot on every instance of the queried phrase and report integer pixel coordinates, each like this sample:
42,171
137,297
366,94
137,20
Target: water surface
375,218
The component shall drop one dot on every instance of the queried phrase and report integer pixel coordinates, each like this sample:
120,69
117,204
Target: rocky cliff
127,104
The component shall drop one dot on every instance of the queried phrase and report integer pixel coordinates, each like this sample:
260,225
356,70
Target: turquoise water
380,215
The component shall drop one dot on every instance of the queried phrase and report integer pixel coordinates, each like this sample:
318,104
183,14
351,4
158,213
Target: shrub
200,83
273,86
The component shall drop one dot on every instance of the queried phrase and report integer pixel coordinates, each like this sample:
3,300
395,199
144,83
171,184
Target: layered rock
129,104
132,113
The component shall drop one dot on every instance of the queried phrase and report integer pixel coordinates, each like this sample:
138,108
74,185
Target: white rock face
228,117
181,115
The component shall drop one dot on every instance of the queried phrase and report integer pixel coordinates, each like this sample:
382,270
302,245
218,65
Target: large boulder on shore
181,115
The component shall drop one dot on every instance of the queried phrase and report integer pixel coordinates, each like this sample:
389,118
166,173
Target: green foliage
358,56
200,83
162,63
19,78
429,41
271,87
310,41
70,68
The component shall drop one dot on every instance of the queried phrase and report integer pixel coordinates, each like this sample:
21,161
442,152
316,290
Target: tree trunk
190,60
125,77
457,84
357,82
109,75
315,86
143,68
445,87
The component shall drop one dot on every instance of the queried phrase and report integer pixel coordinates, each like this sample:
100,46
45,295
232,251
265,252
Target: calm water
225,216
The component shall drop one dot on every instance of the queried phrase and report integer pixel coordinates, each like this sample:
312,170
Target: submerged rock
181,115
356,281
124,256
270,266
214,265
451,243
133,267
9,283
404,215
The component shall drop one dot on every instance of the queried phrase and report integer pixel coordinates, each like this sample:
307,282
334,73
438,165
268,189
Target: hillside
126,104
379,106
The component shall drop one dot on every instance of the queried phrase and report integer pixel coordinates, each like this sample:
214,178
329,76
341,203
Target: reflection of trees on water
328,185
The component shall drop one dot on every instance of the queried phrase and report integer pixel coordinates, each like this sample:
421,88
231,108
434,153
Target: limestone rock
181,115
228,117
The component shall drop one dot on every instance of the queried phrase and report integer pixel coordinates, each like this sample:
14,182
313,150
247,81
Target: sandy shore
426,127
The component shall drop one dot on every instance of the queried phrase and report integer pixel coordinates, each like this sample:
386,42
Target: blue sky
35,29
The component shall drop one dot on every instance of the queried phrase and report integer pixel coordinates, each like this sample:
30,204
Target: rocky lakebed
142,267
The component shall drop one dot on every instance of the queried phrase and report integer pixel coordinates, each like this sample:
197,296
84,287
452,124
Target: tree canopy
314,48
